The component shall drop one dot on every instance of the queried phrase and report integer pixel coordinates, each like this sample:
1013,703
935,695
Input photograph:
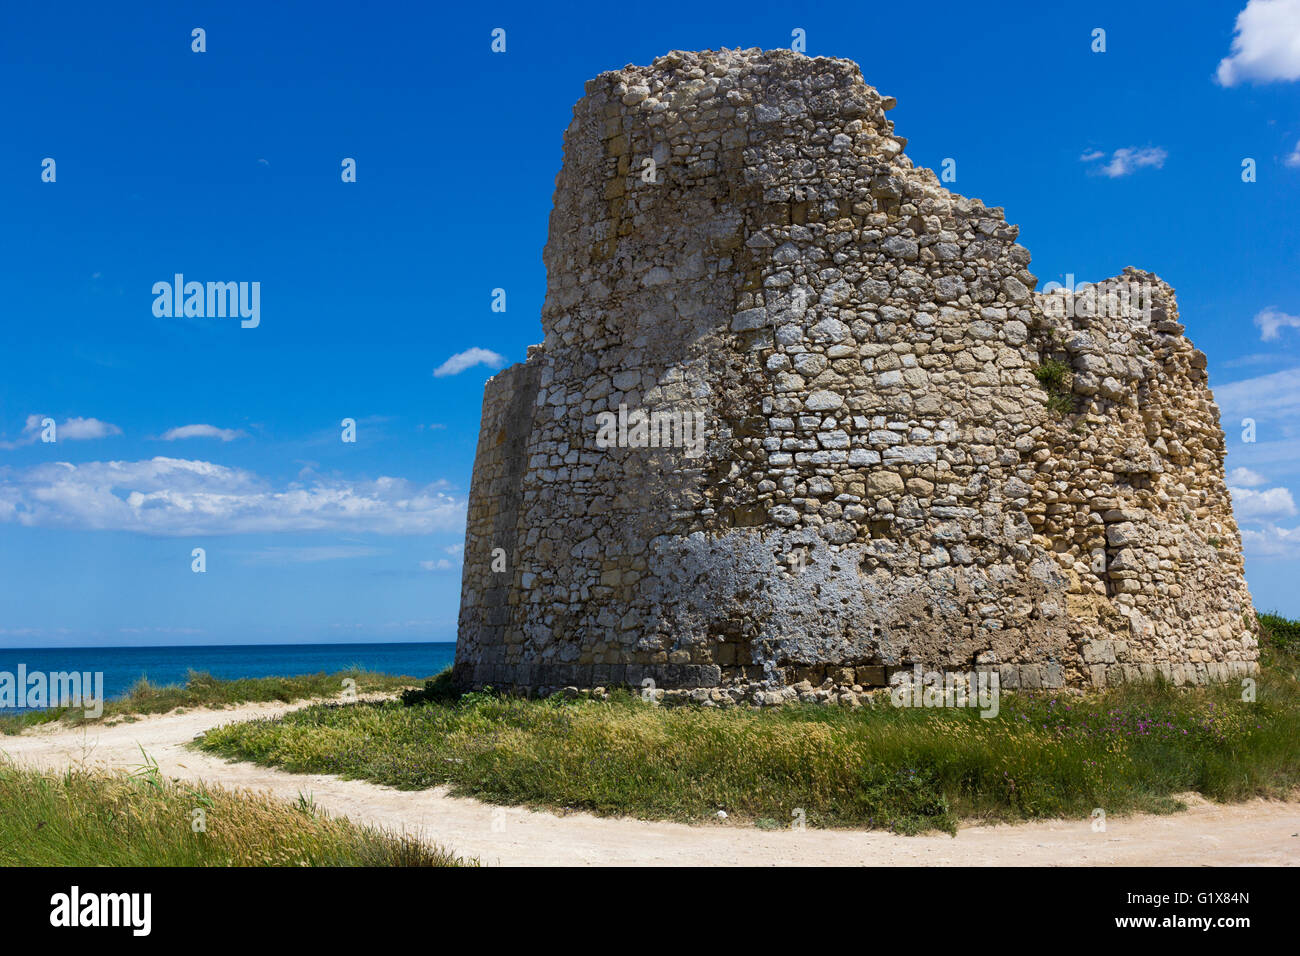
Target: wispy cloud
1277,394
171,496
1266,44
312,555
34,631
202,431
443,564
1294,158
370,626
1271,541
1128,159
1271,321
1280,455
1254,358
73,429
468,359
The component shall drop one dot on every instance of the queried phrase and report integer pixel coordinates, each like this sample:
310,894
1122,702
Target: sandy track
1255,833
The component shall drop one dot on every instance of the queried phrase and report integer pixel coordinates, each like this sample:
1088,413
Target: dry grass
86,818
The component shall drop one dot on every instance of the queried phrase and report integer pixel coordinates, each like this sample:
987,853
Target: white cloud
1266,44
172,496
468,359
79,429
72,429
201,431
1245,478
1271,321
1126,160
1271,542
1248,504
1294,158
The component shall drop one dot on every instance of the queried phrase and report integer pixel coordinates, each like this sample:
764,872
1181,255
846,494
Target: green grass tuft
1053,375
201,689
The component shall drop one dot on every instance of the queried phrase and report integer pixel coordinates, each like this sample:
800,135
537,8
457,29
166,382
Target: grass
1281,636
1053,376
201,689
1131,748
84,818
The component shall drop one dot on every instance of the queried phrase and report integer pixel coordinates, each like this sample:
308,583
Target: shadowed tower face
798,414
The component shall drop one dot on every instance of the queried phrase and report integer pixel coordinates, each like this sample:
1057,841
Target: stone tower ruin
798,415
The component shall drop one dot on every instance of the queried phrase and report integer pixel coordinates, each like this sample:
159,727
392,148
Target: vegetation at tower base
1282,635
863,763
910,456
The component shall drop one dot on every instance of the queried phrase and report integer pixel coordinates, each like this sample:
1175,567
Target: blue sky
225,166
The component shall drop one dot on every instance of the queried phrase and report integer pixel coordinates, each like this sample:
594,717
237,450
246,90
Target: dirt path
1255,833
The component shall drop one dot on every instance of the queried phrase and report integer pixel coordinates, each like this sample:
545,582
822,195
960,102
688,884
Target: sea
123,666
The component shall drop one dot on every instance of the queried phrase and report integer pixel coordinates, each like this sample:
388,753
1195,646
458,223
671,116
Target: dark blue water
123,666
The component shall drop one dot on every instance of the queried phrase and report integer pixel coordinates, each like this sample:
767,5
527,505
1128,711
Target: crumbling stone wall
911,457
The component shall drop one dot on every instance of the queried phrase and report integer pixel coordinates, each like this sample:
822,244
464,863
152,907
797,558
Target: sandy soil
1255,833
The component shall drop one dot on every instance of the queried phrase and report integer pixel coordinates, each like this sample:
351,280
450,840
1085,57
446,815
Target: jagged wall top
736,105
